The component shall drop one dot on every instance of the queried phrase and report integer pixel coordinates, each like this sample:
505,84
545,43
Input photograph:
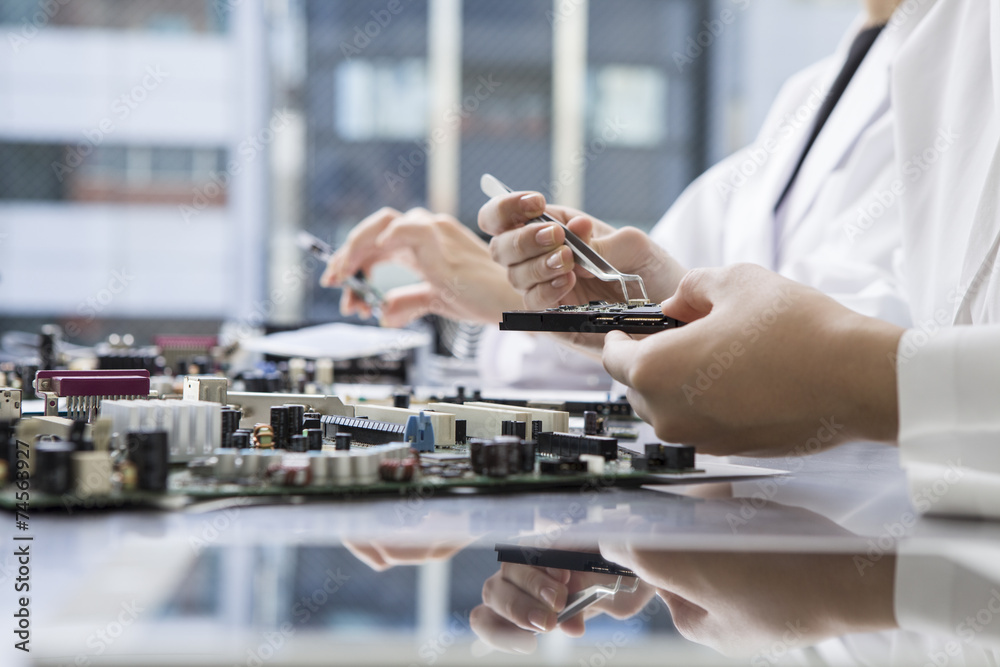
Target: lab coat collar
865,99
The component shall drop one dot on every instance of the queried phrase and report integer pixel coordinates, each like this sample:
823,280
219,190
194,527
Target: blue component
419,433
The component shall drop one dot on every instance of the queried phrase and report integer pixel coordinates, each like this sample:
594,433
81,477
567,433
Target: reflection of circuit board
598,317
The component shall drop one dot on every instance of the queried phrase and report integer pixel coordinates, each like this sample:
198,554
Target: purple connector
94,383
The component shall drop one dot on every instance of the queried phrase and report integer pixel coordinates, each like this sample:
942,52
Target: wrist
865,377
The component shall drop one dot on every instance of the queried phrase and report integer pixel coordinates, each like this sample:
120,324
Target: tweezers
578,602
586,256
356,283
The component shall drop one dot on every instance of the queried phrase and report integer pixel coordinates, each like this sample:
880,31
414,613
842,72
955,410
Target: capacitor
312,420
343,441
241,439
324,372
8,452
590,422
401,400
319,465
461,431
364,467
252,463
527,450
460,394
536,428
314,439
520,430
150,453
280,423
477,455
298,443
52,470
295,415
496,458
225,465
506,427
230,424
340,467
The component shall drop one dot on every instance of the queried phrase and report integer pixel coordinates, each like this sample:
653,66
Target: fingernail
560,282
555,260
546,236
532,204
549,595
538,619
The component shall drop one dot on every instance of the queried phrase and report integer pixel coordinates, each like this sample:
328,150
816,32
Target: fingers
526,243
620,354
544,269
358,247
526,596
549,294
502,214
695,296
405,304
499,633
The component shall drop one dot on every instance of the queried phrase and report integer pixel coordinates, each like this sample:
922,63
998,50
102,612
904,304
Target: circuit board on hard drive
637,317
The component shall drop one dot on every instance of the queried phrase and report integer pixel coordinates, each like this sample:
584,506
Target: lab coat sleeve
949,418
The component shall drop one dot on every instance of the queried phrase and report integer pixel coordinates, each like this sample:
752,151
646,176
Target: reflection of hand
739,603
521,600
460,280
383,555
543,269
765,363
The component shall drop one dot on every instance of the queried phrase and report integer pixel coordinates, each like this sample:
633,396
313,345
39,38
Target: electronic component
280,426
481,421
225,465
52,472
442,422
257,406
563,466
502,456
364,431
552,420
401,400
298,443
660,456
150,452
572,445
84,391
591,426
206,388
295,417
230,424
193,428
343,442
577,561
10,404
419,432
91,474
598,318
314,438
263,436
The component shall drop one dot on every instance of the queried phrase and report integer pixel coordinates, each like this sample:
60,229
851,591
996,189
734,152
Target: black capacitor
230,424
52,469
151,455
240,439
461,431
298,443
590,422
280,424
314,439
477,395
460,394
401,400
536,428
520,430
296,414
527,449
477,455
310,423
7,449
343,441
48,341
506,427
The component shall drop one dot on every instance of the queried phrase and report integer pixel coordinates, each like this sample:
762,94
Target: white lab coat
824,235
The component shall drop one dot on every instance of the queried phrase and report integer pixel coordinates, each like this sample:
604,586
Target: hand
522,600
741,603
765,365
541,268
461,282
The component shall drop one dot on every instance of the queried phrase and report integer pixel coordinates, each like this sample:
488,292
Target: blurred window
165,16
